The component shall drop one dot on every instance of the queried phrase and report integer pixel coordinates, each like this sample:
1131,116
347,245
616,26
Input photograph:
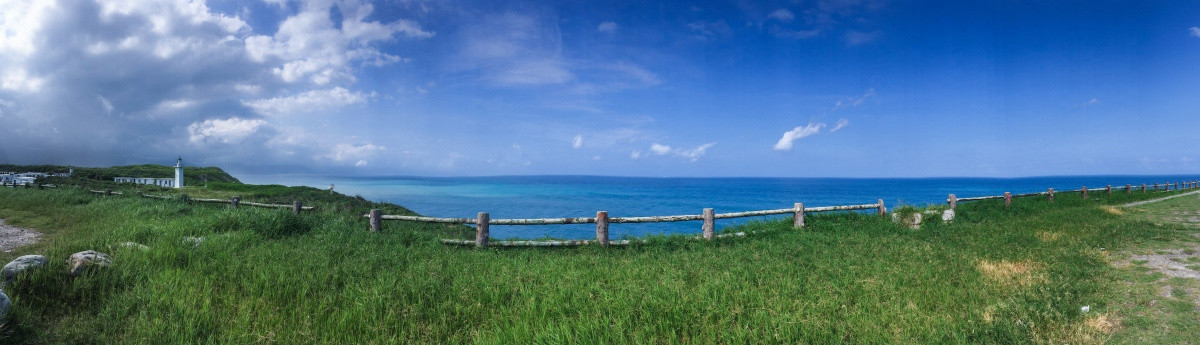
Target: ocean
582,196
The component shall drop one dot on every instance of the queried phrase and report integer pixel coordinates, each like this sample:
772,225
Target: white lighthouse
179,173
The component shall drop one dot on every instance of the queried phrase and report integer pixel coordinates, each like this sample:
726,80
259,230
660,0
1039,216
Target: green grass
995,275
1156,308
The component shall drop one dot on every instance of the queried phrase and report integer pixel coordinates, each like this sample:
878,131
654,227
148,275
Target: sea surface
582,196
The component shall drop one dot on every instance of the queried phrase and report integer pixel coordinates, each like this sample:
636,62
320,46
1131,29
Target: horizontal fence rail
296,206
602,220
952,200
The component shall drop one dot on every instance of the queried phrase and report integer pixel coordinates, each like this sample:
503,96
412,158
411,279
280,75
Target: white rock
88,258
948,216
1086,308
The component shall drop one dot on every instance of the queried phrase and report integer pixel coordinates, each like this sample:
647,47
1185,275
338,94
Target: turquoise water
582,196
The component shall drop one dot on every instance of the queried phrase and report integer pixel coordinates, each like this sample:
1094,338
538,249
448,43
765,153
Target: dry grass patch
1011,273
1048,237
1114,210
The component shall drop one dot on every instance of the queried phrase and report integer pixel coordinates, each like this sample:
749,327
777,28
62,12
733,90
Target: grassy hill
995,275
93,176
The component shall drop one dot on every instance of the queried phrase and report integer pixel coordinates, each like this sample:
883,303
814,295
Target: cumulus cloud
577,142
660,149
1195,31
353,152
226,131
785,143
691,154
182,75
310,101
310,46
635,154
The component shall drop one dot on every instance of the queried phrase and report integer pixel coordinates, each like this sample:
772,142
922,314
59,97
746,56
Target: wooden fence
296,206
1108,190
602,220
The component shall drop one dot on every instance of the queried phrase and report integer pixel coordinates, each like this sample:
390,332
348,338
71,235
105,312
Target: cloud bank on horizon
478,88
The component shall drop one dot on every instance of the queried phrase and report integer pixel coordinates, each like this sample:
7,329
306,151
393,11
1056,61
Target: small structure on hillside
168,182
27,178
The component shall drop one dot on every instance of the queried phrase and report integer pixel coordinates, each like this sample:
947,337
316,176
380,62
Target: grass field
996,275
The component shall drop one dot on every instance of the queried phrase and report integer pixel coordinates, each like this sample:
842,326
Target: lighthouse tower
179,173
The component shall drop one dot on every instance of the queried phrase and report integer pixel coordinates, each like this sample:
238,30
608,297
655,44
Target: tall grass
997,274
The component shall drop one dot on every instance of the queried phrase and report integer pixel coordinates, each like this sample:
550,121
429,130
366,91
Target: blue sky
848,88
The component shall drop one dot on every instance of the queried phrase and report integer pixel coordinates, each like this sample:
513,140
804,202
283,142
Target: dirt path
1139,203
12,237
1160,301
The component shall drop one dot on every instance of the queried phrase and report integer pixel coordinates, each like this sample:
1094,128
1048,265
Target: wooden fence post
1007,199
1143,188
953,201
296,205
1050,194
1128,189
376,222
1084,190
234,202
602,228
1155,187
481,230
707,228
798,215
882,209
1108,189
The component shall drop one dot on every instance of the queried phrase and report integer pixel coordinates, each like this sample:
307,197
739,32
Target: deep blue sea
582,196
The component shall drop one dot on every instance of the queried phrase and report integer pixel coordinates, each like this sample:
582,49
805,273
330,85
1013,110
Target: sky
808,88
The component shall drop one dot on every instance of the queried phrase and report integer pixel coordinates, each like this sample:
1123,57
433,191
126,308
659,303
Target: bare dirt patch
12,237
1172,263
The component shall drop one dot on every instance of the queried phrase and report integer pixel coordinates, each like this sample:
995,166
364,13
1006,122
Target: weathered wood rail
234,202
953,200
602,221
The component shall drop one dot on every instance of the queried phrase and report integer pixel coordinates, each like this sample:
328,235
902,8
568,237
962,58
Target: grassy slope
996,275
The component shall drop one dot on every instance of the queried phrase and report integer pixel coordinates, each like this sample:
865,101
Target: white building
176,182
161,182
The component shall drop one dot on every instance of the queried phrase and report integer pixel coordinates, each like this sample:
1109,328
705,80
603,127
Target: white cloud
783,15
695,153
1195,31
660,149
1093,101
108,107
692,154
785,143
353,152
310,101
635,154
226,131
854,101
310,46
577,142
841,123
703,30
607,27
